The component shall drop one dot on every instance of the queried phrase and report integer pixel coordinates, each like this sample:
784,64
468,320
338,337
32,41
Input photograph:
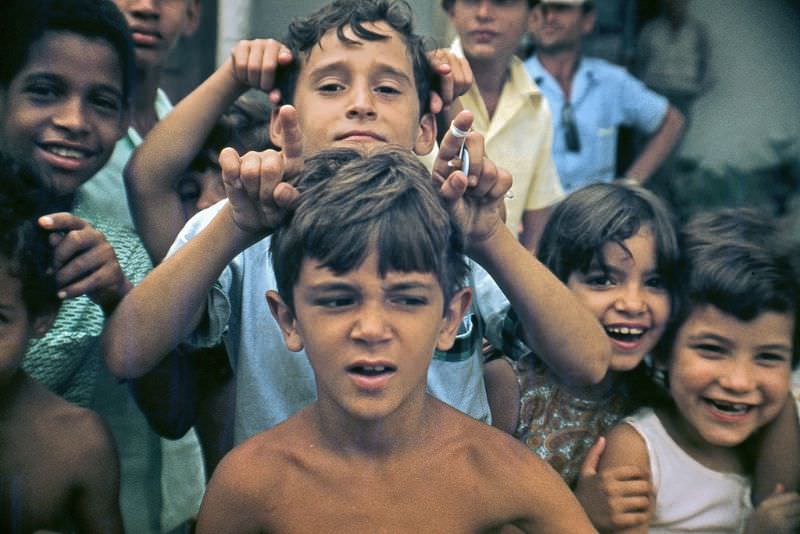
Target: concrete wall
751,116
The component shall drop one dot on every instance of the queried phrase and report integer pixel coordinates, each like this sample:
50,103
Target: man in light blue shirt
590,98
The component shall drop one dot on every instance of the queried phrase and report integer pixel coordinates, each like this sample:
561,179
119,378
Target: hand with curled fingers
454,78
476,197
777,514
84,262
256,182
615,498
254,64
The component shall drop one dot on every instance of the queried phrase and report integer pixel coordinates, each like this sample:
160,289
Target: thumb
592,459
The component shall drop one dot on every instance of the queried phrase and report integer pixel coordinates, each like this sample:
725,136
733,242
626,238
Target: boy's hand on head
256,183
477,197
617,498
255,62
777,514
454,78
84,262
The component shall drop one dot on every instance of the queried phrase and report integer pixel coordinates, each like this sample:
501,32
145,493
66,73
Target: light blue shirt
604,97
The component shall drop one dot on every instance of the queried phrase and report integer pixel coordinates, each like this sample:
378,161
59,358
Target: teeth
65,152
376,369
625,331
730,407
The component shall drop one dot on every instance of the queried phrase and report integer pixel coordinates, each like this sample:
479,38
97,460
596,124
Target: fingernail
62,295
46,220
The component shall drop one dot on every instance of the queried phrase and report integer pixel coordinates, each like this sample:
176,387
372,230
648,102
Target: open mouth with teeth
65,152
727,408
625,334
370,370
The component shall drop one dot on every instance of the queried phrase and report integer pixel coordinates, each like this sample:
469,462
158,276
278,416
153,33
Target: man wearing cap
508,108
590,98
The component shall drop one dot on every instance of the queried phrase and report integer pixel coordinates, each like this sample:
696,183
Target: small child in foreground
728,363
370,270
58,466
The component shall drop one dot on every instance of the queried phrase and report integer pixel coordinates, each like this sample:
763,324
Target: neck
384,437
490,77
561,64
144,116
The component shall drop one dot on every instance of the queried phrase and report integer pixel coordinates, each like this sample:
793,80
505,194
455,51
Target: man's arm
659,147
174,141
555,325
169,304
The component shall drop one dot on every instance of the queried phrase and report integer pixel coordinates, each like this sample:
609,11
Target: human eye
598,279
188,190
107,102
655,282
330,87
42,90
386,89
408,300
335,302
771,359
708,350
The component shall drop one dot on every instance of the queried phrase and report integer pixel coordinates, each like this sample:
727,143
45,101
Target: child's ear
42,323
426,135
275,128
453,313
285,318
192,21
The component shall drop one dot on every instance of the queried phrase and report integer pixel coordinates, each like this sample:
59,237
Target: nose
71,116
737,376
485,9
145,8
361,105
631,300
371,326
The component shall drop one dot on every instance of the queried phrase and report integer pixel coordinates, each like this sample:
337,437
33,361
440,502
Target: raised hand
777,514
84,262
256,183
454,77
255,62
616,498
476,198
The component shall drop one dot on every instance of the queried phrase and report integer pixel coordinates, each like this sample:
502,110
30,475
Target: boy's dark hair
306,32
244,126
448,4
24,245
736,260
351,204
589,218
26,21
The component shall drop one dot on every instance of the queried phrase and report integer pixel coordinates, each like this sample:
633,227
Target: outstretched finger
292,150
61,222
590,463
454,138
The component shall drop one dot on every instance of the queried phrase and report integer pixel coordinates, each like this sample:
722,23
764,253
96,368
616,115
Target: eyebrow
337,67
721,339
51,77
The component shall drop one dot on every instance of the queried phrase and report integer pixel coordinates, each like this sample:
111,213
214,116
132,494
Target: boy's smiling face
369,338
729,377
359,94
64,111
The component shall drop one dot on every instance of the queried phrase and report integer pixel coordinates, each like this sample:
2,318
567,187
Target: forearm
778,455
166,153
169,304
658,147
556,326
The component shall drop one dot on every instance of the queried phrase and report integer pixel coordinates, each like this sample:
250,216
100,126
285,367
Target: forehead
639,249
390,52
84,61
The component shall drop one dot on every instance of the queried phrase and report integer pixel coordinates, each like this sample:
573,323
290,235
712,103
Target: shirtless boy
370,271
58,466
